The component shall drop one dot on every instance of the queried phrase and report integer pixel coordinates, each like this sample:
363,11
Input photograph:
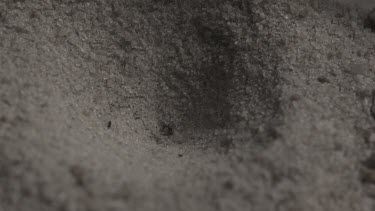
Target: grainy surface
186,105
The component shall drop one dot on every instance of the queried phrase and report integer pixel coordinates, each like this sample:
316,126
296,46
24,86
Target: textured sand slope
171,105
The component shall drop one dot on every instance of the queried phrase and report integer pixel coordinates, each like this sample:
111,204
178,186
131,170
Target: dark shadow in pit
210,83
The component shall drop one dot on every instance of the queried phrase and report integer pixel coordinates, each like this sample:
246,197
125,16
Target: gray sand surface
186,105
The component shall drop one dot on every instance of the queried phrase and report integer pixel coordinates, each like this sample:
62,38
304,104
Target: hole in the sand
210,83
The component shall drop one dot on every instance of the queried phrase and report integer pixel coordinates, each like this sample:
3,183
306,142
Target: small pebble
323,79
228,185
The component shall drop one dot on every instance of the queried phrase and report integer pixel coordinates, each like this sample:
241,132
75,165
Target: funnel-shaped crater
215,77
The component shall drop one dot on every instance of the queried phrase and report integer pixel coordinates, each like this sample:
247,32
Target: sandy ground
184,105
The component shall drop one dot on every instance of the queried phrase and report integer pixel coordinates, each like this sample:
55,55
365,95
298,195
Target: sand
186,105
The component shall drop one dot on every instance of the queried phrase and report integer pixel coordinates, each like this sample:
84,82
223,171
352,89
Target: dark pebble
323,79
228,185
166,129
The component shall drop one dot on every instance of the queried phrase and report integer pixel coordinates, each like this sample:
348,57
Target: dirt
186,105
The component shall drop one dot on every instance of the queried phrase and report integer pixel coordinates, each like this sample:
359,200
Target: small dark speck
6,102
294,98
2,17
180,155
323,79
33,14
156,138
124,44
44,105
273,133
109,124
226,143
228,185
239,159
166,129
19,30
333,74
370,162
78,174
370,20
372,108
3,119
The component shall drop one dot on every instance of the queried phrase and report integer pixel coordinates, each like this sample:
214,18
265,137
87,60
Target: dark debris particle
124,44
226,144
109,124
372,108
17,29
363,94
368,176
2,18
166,129
180,155
228,185
33,15
368,170
3,119
330,56
370,162
370,20
156,138
322,79
368,135
6,102
295,98
239,159
273,133
78,174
